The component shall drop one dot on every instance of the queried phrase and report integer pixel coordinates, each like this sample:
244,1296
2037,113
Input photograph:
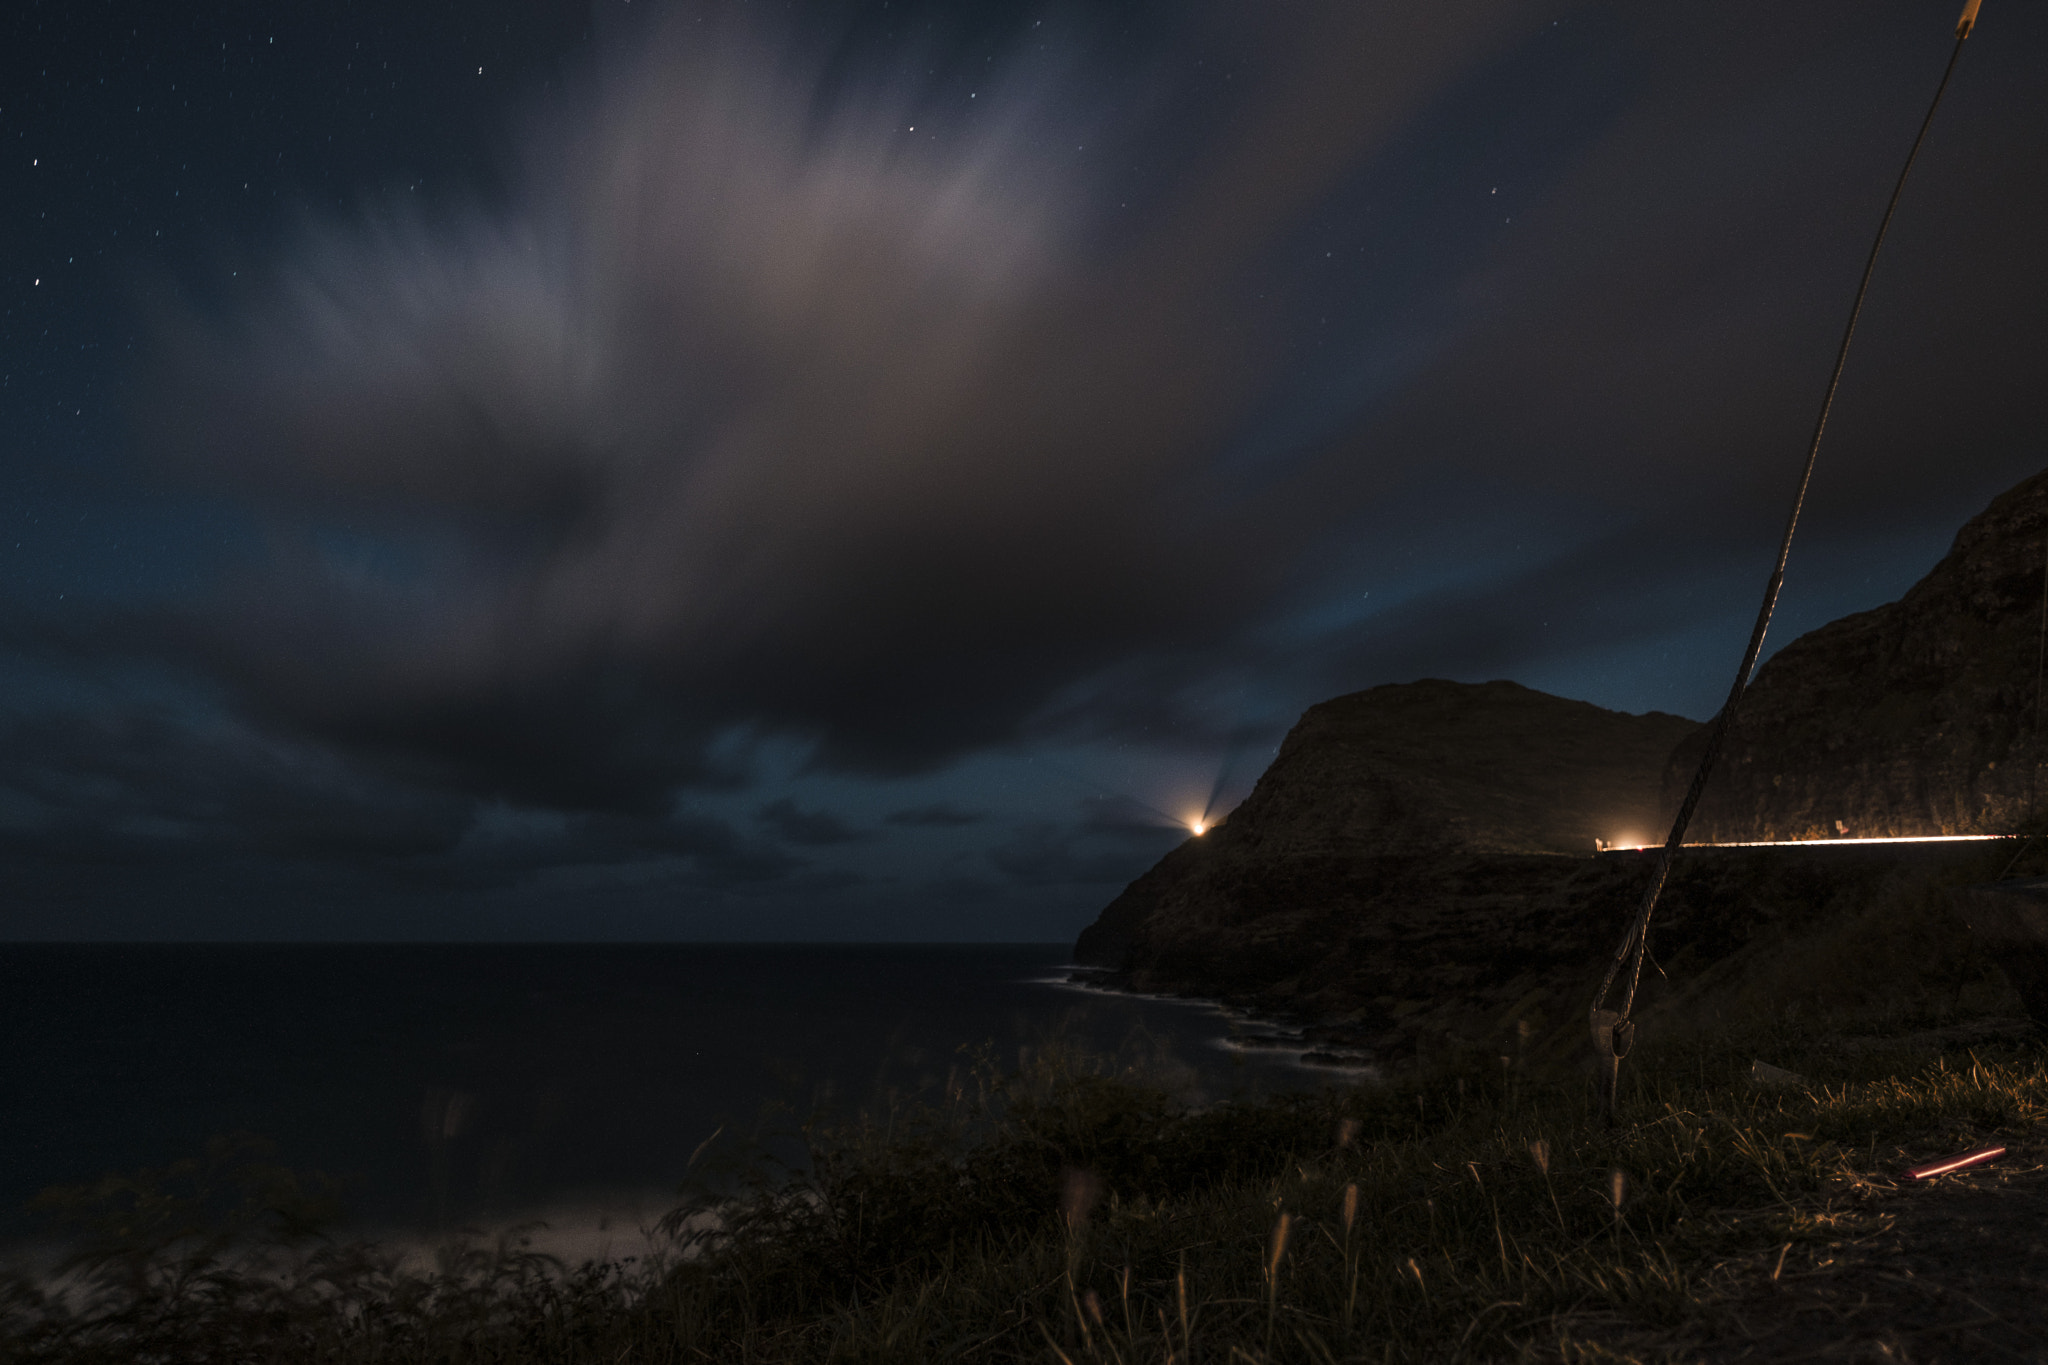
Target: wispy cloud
935,815
862,412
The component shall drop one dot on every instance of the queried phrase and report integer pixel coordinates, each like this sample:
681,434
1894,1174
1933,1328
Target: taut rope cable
2034,729
1612,1030
2040,680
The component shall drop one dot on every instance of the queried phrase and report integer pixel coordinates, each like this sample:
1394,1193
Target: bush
1061,1213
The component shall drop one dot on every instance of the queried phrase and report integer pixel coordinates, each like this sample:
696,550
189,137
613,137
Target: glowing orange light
1197,826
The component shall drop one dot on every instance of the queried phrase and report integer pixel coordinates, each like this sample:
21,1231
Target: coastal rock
1923,716
1417,868
1373,789
1416,856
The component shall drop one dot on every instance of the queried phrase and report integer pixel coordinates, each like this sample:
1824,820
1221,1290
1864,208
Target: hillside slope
1415,866
1918,717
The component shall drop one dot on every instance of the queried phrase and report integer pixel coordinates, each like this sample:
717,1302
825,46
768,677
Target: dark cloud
1047,853
962,891
152,781
1584,402
504,844
1551,604
168,785
758,413
936,815
814,828
1651,337
1120,816
1150,391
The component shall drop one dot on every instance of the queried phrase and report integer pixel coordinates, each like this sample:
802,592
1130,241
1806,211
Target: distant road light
1627,844
1892,839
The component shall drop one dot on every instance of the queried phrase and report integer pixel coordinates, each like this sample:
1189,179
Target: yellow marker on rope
1969,19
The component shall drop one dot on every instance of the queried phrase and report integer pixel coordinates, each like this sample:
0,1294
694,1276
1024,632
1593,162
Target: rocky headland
1923,716
1421,866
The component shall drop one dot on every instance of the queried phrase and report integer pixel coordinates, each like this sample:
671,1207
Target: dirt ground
1952,1269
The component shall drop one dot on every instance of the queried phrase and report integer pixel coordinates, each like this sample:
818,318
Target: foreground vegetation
1068,1214
1071,1212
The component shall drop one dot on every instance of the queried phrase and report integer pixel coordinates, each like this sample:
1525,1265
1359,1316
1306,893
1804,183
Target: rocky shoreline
1253,1029
1502,953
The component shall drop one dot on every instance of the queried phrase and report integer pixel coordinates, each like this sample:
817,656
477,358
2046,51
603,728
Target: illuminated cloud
770,405
796,399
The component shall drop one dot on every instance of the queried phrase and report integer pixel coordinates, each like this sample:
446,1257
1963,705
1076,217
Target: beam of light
1104,791
1241,736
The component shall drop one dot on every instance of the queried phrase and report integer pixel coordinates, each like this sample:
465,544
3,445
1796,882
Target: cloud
504,844
813,828
779,401
1652,322
1629,246
170,785
150,781
786,398
1047,853
938,814
1116,816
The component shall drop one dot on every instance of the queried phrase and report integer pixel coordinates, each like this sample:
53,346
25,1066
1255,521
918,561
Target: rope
2034,730
2040,677
1612,1028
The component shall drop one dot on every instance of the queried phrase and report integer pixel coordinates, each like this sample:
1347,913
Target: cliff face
1494,767
1451,818
1370,783
1414,865
1919,717
1403,955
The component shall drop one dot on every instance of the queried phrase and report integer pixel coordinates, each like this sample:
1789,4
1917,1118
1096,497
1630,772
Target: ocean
479,1086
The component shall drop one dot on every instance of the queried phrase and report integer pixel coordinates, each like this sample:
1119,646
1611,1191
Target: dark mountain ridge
1919,717
1384,778
1419,865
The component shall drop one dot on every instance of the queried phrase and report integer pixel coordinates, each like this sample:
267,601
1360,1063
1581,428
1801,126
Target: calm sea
477,1085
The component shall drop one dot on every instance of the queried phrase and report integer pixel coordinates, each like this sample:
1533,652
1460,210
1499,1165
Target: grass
1062,1214
1065,1212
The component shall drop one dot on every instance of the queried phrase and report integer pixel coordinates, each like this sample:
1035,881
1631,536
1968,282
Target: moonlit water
480,1085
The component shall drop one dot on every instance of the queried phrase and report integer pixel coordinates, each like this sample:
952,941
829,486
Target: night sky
841,471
